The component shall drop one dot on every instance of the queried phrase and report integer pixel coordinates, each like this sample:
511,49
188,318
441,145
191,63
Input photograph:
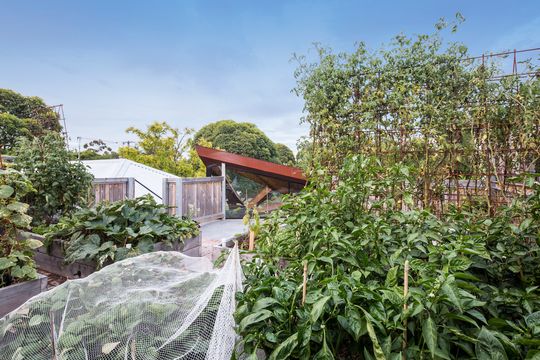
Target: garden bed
52,260
11,297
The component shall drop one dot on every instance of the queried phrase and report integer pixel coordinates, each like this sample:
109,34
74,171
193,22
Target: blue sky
115,64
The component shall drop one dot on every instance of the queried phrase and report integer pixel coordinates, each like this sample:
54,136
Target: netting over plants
162,305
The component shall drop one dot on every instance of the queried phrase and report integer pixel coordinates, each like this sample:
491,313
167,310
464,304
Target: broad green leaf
318,308
429,334
449,291
377,350
254,318
391,277
533,319
33,243
464,318
489,347
325,353
36,320
263,303
6,191
5,263
18,207
284,350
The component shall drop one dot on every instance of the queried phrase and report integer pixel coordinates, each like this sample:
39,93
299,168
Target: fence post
165,192
131,188
223,189
179,197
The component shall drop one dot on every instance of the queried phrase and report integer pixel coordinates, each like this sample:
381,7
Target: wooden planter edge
13,296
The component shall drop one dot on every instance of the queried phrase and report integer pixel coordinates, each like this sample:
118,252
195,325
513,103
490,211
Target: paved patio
219,232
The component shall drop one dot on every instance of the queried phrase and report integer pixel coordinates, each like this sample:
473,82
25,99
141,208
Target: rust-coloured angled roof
213,156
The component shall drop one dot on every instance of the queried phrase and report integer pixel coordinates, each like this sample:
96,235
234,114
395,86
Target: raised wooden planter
11,297
53,260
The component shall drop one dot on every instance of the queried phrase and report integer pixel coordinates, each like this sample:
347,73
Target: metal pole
223,189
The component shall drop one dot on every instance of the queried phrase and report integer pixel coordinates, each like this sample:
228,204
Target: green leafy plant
115,314
114,231
61,185
424,102
473,279
16,263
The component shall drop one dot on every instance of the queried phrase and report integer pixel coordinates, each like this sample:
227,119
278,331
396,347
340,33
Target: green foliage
11,128
473,279
61,185
97,150
115,231
238,138
87,326
166,148
423,102
16,263
285,155
29,107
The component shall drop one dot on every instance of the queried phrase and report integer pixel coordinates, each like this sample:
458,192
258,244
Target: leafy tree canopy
61,184
165,148
97,149
239,138
285,155
29,107
11,128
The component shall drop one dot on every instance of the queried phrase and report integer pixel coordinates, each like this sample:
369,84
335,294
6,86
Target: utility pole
79,147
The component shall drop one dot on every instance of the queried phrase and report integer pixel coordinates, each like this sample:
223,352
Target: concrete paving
217,233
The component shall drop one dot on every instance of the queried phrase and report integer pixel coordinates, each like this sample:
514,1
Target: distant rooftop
115,168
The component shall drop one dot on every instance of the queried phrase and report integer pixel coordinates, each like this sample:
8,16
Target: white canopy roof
145,176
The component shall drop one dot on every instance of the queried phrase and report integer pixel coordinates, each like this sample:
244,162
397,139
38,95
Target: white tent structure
148,180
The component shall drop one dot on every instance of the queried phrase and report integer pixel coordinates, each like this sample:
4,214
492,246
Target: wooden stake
251,240
405,292
304,284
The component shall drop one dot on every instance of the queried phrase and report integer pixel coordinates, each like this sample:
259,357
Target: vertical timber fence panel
198,198
112,189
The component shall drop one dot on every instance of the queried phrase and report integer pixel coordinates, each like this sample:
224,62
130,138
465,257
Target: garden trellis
469,127
161,305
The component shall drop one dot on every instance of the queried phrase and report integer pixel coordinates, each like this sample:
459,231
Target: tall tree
11,128
97,149
285,155
165,148
239,138
29,107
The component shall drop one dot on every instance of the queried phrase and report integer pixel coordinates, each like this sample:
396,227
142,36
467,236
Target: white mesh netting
162,305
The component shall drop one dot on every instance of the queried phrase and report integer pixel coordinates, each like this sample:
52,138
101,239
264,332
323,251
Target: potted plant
19,279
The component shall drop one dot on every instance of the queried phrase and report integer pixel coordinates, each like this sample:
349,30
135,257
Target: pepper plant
473,280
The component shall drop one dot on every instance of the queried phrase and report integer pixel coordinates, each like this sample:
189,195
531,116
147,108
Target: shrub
61,185
473,280
16,263
115,231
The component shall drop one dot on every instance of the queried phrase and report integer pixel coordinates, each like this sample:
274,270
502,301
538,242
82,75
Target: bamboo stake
304,284
251,240
405,292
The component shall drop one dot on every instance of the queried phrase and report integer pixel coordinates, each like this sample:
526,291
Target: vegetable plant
114,231
473,279
61,185
16,263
